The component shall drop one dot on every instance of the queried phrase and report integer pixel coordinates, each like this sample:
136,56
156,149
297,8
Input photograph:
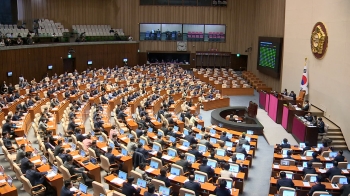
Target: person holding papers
35,177
66,189
163,177
128,188
221,190
318,186
192,185
309,169
333,171
284,181
183,162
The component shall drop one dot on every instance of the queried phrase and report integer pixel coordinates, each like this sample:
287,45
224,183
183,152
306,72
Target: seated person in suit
240,149
205,141
95,149
333,171
339,157
150,191
306,106
318,186
48,145
289,155
309,169
76,170
225,172
16,116
65,191
191,137
58,147
141,170
285,92
242,140
163,177
183,162
143,151
160,140
307,147
221,190
80,137
129,190
63,154
324,147
192,185
283,181
25,162
223,137
206,168
131,147
7,141
33,176
314,158
292,94
195,152
285,143
20,153
309,117
345,189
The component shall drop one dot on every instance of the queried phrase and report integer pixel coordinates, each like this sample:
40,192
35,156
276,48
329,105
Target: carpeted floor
259,173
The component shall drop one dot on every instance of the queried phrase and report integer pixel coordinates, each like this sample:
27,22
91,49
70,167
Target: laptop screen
142,183
82,153
234,168
172,139
348,167
229,135
246,147
199,126
302,145
190,159
305,164
154,164
220,124
200,117
247,138
186,132
250,132
83,188
309,153
176,128
92,133
93,160
289,175
158,119
171,153
200,178
212,131
343,181
121,131
213,140
124,152
122,175
313,179
73,147
164,191
186,144
202,148
111,144
43,159
220,152
175,171
288,193
228,144
229,184
211,163
240,156
188,194
285,162
155,147
285,151
150,129
54,168
329,165
142,141
199,136
100,139
9,180
319,145
66,140
333,154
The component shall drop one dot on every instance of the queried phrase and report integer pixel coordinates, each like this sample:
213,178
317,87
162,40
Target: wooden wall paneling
142,58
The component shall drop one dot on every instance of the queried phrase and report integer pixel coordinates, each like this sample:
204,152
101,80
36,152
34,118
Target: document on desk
327,158
76,156
322,170
104,148
73,189
306,183
300,168
150,170
19,138
183,148
118,181
335,186
229,148
123,138
36,161
302,157
276,166
185,180
171,176
345,171
167,157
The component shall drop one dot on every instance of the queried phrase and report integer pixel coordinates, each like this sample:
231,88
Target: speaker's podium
252,109
303,132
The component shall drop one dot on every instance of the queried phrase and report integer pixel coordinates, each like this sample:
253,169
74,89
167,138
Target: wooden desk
6,189
58,111
56,182
37,108
94,171
302,132
301,158
237,91
217,103
11,107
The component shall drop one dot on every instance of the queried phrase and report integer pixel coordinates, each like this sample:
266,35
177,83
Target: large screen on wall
269,55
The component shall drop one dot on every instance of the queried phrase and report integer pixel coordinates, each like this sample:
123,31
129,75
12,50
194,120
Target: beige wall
329,80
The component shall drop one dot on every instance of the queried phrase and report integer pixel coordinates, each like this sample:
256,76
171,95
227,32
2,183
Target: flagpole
307,95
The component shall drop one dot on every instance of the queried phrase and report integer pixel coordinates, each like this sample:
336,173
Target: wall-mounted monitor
125,60
49,67
269,55
89,62
9,74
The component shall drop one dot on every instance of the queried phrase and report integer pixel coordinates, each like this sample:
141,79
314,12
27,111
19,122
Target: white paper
229,148
167,157
104,148
327,158
50,175
19,138
36,161
322,170
276,166
316,149
304,158
117,181
335,186
123,138
300,168
149,170
345,171
171,176
73,189
2,181
56,136
183,148
153,152
306,183
76,156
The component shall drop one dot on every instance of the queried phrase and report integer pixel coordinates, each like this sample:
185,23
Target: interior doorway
69,65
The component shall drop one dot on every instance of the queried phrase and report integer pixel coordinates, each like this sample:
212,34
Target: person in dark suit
62,155
47,144
306,106
206,168
95,149
285,143
333,171
35,177
221,190
345,189
25,163
320,125
8,127
163,177
143,151
223,137
195,152
16,116
73,170
160,140
309,117
183,162
191,137
65,191
285,92
307,147
339,157
129,190
58,147
318,186
240,149
7,141
192,185
309,169
289,155
71,125
283,181
139,131
206,142
80,137
111,157
314,158
292,94
21,153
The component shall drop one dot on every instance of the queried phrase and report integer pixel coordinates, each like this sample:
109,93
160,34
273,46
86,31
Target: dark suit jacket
345,189
7,142
34,176
66,192
57,150
206,169
224,138
49,146
164,179
112,158
222,191
184,164
241,150
317,187
309,170
306,107
194,186
24,165
129,190
80,137
333,171
190,139
306,148
285,182
285,145
339,158
195,152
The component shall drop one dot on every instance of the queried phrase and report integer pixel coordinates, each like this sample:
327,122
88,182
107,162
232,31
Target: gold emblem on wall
319,40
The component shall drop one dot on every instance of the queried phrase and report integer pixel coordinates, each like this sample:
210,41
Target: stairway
334,133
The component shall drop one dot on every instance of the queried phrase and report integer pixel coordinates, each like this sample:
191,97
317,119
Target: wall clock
181,46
